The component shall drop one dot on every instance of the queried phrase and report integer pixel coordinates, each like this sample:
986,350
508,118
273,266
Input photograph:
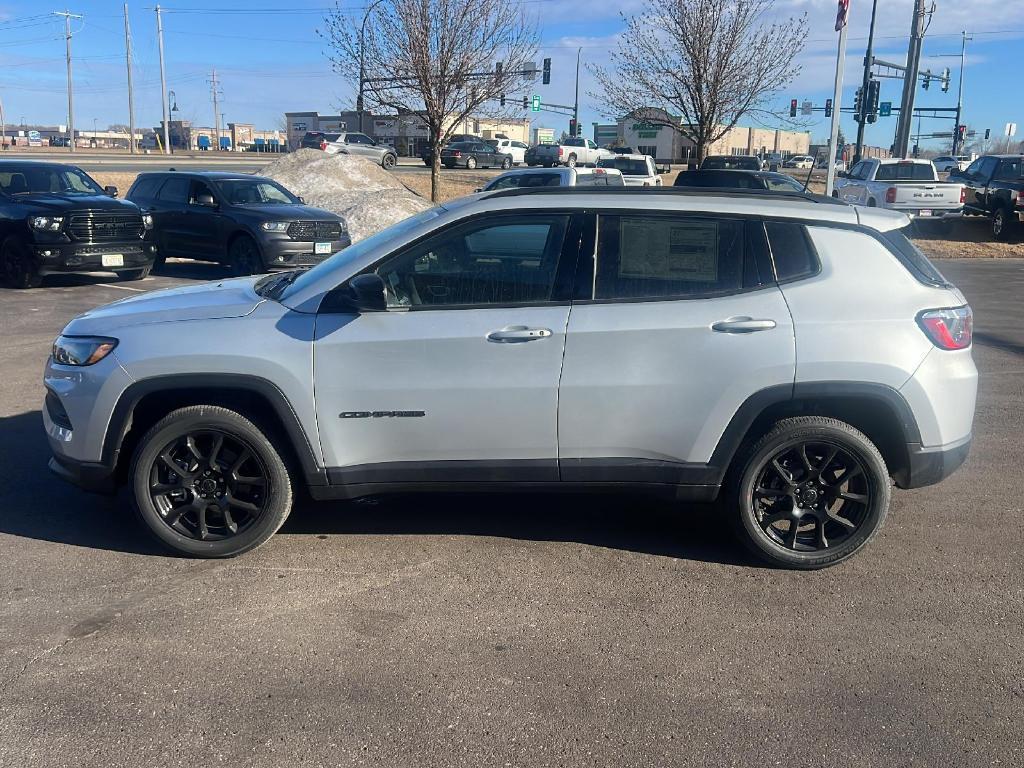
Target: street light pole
362,60
960,95
576,104
163,80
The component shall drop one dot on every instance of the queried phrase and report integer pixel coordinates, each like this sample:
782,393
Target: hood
288,212
77,203
207,301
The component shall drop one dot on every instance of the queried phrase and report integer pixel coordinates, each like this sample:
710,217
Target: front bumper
928,466
281,252
95,478
72,258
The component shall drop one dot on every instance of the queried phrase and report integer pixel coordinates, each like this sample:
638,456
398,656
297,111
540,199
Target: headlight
147,221
46,223
82,350
275,226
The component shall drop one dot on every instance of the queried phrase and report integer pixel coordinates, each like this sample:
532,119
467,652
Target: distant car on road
516,149
994,187
804,162
575,151
55,219
474,154
427,154
249,223
556,177
767,180
731,162
951,163
361,145
636,170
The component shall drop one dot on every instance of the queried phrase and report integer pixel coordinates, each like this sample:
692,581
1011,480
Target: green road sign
885,109
535,107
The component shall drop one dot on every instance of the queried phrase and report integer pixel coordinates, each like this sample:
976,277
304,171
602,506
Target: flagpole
837,95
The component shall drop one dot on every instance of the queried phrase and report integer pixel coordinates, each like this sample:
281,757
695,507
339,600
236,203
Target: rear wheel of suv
18,266
810,493
244,257
208,483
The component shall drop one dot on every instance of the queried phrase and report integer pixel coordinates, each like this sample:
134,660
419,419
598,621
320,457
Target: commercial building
655,135
543,136
606,134
240,137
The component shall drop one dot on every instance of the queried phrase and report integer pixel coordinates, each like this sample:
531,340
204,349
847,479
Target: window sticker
668,250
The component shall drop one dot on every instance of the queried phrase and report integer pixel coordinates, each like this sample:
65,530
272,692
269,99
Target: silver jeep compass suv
783,354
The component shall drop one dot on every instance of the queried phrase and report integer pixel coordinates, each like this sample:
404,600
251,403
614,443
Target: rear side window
647,257
911,257
792,251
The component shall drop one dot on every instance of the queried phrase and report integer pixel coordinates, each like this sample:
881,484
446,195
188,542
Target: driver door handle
514,334
742,325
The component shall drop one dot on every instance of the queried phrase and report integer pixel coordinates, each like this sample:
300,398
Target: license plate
319,248
925,212
112,259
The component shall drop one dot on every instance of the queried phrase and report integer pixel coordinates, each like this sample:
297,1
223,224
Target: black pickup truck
994,187
55,219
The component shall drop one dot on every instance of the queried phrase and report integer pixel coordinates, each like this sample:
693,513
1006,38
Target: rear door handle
514,334
742,325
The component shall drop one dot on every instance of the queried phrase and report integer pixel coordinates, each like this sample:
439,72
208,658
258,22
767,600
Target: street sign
1010,130
535,106
885,109
806,107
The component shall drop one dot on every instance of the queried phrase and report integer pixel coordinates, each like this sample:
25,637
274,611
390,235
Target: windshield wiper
272,287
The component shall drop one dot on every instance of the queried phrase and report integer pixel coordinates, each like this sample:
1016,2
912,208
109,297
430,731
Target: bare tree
437,59
709,61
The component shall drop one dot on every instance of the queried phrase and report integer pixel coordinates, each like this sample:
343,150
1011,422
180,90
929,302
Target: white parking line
121,287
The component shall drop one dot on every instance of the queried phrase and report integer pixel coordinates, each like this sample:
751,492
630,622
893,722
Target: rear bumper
927,466
937,214
64,258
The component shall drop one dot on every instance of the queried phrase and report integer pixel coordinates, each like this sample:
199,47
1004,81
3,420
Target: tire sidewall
874,471
180,422
253,264
471,163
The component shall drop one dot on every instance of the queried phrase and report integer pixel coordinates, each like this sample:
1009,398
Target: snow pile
366,196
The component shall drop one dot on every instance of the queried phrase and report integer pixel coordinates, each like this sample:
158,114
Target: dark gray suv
250,223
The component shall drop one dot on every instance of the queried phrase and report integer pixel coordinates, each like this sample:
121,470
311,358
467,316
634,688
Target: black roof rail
765,194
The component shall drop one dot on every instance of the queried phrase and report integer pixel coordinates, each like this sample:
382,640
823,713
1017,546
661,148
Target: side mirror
206,200
301,199
110,190
366,293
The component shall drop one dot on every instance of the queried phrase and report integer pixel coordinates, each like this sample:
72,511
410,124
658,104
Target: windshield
46,180
256,192
628,166
338,261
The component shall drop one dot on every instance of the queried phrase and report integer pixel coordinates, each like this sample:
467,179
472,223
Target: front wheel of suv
244,257
208,483
810,493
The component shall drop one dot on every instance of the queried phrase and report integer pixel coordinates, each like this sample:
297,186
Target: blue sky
270,59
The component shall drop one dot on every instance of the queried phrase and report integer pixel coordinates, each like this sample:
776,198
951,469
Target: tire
1002,224
835,194
159,261
129,275
18,267
427,163
506,164
548,165
388,162
844,498
571,161
188,514
244,257
531,165
470,163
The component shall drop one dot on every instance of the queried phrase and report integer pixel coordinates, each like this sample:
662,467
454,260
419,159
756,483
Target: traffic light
927,79
858,105
572,127
988,132
945,80
547,72
828,107
871,108
961,133
792,108
526,102
502,99
497,69
579,129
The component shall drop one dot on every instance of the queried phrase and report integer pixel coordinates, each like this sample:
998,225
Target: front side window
197,190
246,192
510,261
974,169
669,257
855,172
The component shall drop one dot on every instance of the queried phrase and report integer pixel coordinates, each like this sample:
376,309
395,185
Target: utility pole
910,80
868,62
163,81
576,103
131,95
960,95
68,16
215,92
842,24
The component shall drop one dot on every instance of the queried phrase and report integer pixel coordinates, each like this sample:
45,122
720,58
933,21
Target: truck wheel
134,274
1001,223
471,163
207,482
244,257
20,268
810,493
389,161
506,163
571,162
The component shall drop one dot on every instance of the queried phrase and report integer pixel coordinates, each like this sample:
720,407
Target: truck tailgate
915,195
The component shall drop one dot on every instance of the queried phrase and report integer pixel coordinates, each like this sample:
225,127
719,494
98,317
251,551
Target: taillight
457,153
890,195
963,195
948,328
561,151
323,145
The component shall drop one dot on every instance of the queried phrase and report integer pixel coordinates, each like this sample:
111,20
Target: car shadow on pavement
35,504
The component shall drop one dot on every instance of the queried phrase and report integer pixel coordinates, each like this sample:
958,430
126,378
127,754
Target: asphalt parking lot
517,631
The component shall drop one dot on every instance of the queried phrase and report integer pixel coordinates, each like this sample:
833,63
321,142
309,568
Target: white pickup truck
575,151
909,186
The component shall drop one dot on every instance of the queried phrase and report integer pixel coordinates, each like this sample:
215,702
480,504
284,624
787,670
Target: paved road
515,631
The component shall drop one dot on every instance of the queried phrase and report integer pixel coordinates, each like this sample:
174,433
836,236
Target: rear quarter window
910,256
792,251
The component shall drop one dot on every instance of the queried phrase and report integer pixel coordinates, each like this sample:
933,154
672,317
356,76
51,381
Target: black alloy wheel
811,493
244,257
1001,218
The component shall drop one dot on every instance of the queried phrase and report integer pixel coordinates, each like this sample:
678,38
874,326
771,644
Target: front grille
101,227
319,231
308,259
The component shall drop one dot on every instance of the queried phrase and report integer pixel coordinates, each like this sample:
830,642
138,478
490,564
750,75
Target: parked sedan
427,155
468,154
249,223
